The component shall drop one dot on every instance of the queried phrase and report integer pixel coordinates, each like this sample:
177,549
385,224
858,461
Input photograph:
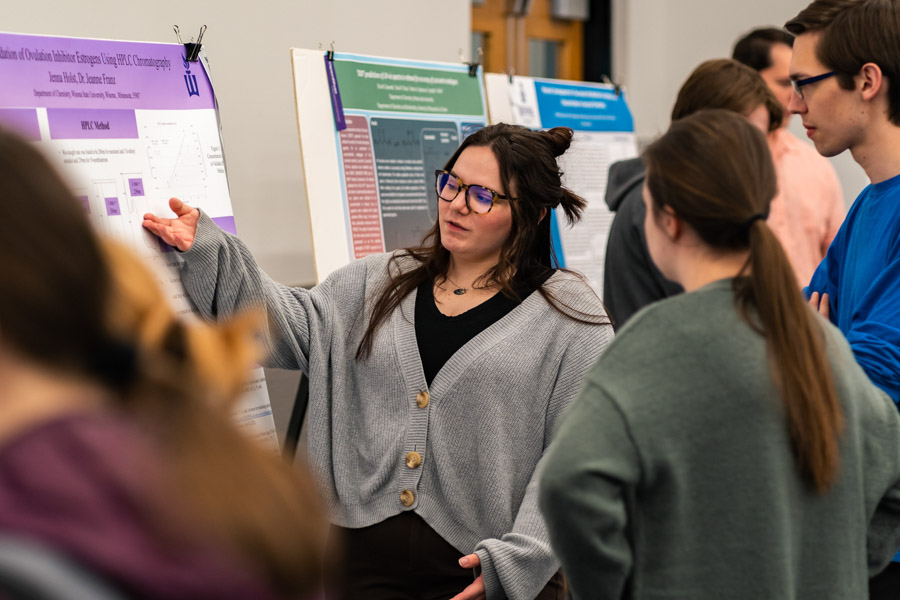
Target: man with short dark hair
768,51
809,208
845,71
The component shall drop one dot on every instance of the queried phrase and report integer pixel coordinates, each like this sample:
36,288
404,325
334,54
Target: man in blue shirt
845,71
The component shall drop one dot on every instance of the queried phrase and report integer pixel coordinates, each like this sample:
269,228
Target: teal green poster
404,120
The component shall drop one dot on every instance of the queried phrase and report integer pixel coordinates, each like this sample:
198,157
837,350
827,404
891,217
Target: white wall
248,47
657,43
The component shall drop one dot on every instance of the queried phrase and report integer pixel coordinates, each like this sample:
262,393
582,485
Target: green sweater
672,475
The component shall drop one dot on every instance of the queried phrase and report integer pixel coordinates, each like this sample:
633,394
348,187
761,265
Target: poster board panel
129,124
370,184
320,161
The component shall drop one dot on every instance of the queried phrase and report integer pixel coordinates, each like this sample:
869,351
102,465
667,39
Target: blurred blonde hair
221,356
187,379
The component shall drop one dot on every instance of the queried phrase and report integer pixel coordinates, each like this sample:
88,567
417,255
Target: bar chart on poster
372,132
604,133
129,125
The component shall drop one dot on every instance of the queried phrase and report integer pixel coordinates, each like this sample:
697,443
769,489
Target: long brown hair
726,83
529,172
855,32
714,170
80,306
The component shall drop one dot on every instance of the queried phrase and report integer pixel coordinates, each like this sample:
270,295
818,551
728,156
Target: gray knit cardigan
481,428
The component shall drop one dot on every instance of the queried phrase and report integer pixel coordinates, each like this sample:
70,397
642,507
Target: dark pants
403,558
886,585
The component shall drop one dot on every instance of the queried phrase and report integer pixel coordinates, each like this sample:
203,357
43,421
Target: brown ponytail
797,352
714,170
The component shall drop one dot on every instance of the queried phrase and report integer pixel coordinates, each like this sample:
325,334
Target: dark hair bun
559,139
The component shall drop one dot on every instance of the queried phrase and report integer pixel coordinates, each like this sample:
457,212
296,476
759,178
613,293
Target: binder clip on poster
337,105
473,66
192,48
330,53
617,87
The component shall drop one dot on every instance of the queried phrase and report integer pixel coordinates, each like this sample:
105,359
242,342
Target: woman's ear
671,224
543,214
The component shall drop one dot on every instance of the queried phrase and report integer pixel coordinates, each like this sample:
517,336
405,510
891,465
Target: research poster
604,134
129,125
390,124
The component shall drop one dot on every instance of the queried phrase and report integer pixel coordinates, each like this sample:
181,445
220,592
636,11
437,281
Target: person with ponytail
630,279
117,447
727,444
437,374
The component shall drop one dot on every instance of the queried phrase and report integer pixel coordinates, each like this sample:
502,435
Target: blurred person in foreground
117,448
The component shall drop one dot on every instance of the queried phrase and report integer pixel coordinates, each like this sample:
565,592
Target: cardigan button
407,498
413,460
422,399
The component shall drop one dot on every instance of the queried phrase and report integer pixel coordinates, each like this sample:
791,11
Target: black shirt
439,336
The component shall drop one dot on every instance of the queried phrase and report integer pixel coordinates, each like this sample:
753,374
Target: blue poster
582,106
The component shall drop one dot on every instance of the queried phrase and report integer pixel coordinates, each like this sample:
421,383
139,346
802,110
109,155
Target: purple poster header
56,72
91,123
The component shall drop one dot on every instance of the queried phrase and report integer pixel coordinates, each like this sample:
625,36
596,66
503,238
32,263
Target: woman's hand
178,232
476,590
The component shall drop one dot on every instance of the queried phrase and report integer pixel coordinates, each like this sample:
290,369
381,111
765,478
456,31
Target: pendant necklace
459,291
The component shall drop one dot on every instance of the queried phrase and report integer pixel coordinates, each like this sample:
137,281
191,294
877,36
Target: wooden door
534,43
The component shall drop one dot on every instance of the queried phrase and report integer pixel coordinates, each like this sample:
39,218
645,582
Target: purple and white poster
129,125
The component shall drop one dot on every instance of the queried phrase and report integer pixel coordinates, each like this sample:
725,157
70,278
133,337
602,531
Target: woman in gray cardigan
727,445
437,374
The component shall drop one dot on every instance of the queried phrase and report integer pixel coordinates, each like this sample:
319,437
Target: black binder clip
617,87
330,53
473,66
192,48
